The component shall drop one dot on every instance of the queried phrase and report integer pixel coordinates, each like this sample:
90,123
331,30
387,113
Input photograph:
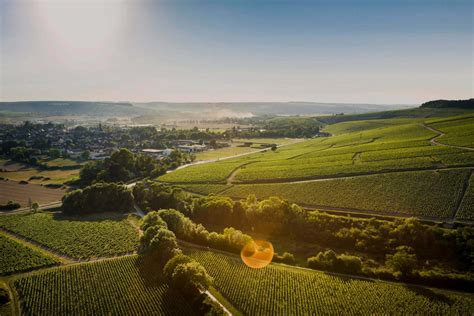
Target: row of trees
183,273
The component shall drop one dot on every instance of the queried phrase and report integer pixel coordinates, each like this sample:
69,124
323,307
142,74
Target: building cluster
98,142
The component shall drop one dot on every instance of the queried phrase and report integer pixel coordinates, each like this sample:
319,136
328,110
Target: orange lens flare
257,254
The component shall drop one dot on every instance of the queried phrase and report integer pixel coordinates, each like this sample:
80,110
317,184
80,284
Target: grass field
21,193
421,193
79,238
62,162
16,257
284,290
41,176
120,286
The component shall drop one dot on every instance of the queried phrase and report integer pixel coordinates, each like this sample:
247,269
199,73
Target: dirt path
230,178
434,140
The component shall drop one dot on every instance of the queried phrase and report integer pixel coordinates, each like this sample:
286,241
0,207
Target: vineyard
395,145
459,131
421,193
17,257
466,209
79,238
282,290
121,286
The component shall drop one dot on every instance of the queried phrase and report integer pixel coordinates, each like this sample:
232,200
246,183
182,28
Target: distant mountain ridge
61,108
186,110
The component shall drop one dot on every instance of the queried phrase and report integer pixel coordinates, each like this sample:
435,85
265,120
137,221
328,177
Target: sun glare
257,254
85,26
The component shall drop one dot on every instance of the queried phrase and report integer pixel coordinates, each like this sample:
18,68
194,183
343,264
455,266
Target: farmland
380,149
19,172
78,238
421,193
22,193
116,286
296,291
392,166
17,257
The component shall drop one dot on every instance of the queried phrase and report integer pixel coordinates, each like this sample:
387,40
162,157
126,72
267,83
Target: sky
372,51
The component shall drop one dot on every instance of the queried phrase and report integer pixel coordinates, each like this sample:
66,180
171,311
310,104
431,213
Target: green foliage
190,278
169,267
152,219
403,260
286,257
151,195
121,286
329,261
184,228
163,245
17,257
97,198
311,292
123,165
80,238
11,205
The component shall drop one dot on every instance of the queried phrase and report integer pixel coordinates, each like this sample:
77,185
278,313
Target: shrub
286,257
10,206
403,261
330,261
4,296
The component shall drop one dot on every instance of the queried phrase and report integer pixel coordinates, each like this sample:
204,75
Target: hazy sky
379,51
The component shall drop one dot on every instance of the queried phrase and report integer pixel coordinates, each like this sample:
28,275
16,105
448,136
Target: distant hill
460,104
64,108
439,108
246,109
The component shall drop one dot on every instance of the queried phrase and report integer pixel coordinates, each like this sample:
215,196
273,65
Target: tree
163,245
191,278
54,153
153,219
34,207
403,261
173,263
85,155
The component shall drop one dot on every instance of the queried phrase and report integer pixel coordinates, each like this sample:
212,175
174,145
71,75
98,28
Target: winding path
434,140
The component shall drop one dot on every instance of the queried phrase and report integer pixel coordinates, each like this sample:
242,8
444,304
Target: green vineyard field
79,238
283,290
120,286
466,209
420,193
16,257
389,146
